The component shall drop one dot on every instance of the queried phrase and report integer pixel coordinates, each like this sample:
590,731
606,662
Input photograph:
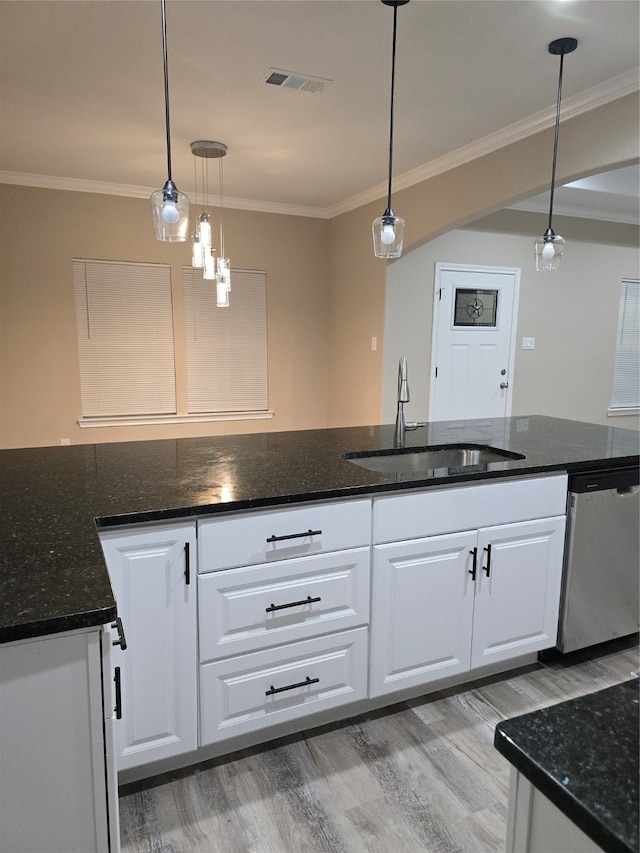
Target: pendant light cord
555,142
166,87
393,79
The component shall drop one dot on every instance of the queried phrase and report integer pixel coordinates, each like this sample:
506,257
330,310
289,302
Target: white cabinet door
155,588
53,793
517,589
421,611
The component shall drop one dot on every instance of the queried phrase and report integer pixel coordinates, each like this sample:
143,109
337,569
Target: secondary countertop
52,572
583,756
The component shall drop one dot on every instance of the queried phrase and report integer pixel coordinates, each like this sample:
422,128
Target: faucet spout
403,397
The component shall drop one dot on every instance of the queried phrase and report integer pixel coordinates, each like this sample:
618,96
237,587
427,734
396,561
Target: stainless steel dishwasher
601,583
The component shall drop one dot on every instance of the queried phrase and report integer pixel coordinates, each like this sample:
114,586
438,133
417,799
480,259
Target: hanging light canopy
203,250
169,207
549,247
388,229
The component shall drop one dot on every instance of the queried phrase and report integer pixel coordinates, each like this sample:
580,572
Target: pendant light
388,229
169,207
223,276
202,248
548,248
202,245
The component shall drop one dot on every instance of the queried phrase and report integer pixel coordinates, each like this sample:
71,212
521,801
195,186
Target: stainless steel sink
445,459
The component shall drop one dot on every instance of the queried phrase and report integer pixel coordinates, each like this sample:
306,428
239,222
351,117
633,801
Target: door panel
473,342
518,589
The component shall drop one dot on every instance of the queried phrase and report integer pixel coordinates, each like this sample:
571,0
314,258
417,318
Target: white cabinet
242,694
443,605
517,589
153,573
283,613
57,789
421,613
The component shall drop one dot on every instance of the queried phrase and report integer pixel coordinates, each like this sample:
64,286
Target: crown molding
52,182
604,93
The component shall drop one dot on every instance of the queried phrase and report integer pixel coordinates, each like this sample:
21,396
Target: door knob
504,384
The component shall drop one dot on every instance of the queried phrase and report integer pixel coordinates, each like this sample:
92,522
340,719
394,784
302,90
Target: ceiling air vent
293,80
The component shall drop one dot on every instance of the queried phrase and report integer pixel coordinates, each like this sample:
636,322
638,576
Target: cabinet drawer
438,511
249,608
246,538
252,692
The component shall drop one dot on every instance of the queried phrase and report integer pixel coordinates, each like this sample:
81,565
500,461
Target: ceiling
81,96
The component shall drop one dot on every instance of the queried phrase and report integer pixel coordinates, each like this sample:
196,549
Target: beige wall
42,230
572,314
326,291
601,139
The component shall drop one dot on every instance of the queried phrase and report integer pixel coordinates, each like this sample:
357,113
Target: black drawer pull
122,640
474,567
116,679
304,683
309,532
307,600
487,568
187,564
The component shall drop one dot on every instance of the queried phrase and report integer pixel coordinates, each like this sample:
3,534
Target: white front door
472,355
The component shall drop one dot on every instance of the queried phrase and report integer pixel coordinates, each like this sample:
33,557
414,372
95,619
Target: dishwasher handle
598,481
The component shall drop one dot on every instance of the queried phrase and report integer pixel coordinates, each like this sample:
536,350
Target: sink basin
423,461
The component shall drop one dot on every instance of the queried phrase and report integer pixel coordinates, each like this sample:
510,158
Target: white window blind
125,338
226,347
625,395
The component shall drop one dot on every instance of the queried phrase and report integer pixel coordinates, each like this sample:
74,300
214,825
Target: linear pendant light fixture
548,248
388,229
169,207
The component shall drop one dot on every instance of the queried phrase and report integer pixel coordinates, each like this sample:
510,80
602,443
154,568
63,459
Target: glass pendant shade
548,251
222,295
224,273
170,211
209,267
196,257
202,241
388,235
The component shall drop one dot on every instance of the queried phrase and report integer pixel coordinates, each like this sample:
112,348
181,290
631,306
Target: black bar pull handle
118,708
309,532
307,600
487,568
474,566
122,640
187,564
304,683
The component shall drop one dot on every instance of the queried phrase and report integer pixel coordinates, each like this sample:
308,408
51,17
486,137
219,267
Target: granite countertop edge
56,500
511,740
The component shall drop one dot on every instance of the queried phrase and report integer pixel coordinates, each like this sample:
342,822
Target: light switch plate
528,343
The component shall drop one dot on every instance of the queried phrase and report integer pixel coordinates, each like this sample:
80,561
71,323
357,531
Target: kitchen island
53,575
575,762
262,580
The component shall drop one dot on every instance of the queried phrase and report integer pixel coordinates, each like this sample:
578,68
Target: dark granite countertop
52,573
583,756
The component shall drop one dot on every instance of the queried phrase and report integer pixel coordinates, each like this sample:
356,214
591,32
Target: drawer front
437,511
241,539
251,692
249,608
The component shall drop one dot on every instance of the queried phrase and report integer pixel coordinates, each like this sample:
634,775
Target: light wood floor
420,776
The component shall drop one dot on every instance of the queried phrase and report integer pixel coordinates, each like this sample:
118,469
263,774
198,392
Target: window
124,320
125,323
226,347
625,395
